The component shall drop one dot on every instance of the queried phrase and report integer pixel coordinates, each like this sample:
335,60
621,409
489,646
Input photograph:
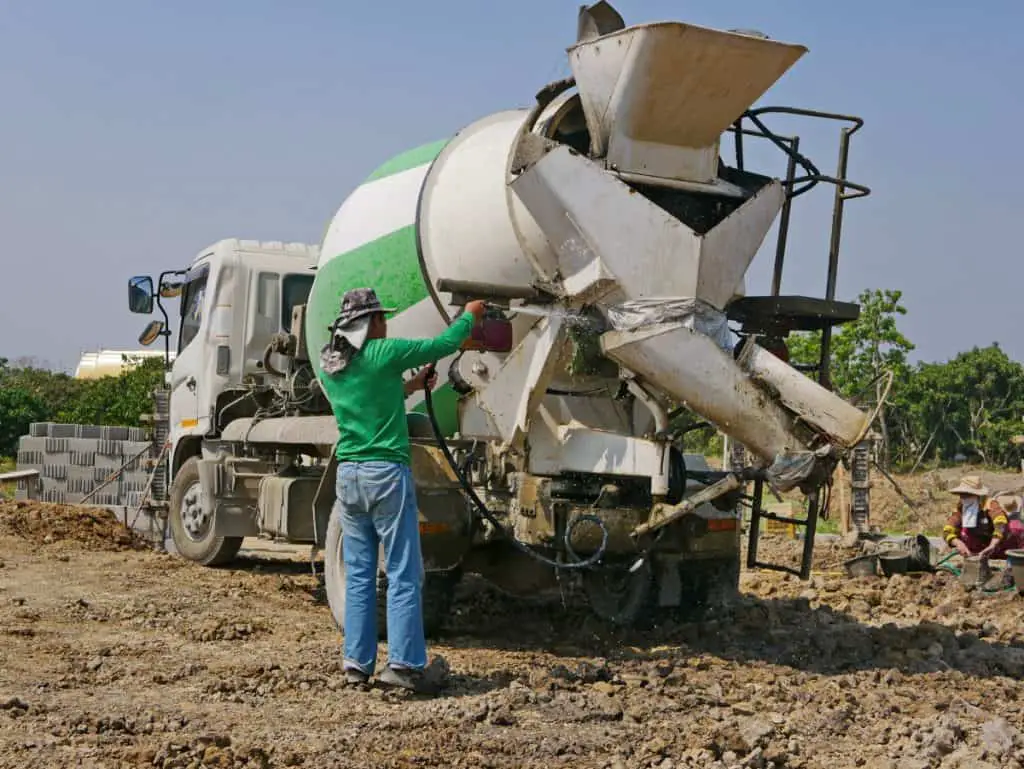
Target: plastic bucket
1015,563
976,571
862,565
894,562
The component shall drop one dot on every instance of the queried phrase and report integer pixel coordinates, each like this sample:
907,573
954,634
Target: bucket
894,562
1015,563
976,571
862,565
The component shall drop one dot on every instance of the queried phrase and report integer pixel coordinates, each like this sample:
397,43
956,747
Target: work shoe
428,680
355,677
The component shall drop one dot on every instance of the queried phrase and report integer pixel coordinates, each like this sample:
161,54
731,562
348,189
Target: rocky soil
115,656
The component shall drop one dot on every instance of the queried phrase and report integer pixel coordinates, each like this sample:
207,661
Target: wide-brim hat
970,485
358,303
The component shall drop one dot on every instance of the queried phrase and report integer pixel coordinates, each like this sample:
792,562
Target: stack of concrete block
73,460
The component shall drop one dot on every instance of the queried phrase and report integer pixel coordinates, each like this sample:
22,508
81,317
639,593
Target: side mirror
151,332
140,294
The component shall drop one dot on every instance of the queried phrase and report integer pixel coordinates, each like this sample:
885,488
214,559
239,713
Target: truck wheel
706,586
620,596
192,526
438,589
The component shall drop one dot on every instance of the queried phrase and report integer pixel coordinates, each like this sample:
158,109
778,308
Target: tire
705,587
191,527
620,596
438,588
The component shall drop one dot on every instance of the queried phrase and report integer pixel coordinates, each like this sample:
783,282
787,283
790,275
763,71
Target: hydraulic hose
486,514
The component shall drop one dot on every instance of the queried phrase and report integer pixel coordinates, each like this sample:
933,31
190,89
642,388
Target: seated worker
982,526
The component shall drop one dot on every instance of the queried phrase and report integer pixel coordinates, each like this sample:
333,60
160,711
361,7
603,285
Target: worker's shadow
784,631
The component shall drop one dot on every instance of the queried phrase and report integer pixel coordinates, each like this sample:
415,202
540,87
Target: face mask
970,512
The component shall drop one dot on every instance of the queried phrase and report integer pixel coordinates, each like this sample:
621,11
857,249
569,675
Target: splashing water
569,317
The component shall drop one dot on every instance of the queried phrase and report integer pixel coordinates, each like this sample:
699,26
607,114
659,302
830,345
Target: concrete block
30,460
133,485
73,497
62,431
105,499
57,445
90,431
112,433
55,471
21,494
31,443
82,451
137,434
39,429
108,448
53,496
82,458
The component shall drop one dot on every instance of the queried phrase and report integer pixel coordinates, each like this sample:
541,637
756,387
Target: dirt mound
47,524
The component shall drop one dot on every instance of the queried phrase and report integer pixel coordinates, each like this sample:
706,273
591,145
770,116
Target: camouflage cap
359,302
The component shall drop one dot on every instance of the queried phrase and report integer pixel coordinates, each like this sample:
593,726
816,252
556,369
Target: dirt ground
112,655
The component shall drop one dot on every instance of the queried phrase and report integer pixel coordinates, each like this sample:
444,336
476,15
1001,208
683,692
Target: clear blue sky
135,132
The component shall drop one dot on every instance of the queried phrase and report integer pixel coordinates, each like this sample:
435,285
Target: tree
972,404
115,400
862,351
18,409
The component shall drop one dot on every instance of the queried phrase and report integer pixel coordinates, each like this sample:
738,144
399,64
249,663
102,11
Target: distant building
94,365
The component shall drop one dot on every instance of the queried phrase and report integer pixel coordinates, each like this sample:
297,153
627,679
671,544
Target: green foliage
863,348
18,409
116,400
972,404
29,394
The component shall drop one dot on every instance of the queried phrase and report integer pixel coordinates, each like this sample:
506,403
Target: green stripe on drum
445,401
417,156
389,265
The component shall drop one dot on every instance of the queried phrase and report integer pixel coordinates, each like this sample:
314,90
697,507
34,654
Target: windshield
192,308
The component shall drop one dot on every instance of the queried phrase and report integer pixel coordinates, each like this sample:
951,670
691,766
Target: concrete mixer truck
610,238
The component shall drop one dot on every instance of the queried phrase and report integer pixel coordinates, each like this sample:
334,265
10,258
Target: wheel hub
195,519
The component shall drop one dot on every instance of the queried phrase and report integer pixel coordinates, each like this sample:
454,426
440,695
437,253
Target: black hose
485,513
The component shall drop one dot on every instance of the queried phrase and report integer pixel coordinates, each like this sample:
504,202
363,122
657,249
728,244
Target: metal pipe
487,290
833,251
780,249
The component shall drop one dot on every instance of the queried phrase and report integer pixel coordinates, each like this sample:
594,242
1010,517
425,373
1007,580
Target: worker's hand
476,308
961,548
425,377
991,548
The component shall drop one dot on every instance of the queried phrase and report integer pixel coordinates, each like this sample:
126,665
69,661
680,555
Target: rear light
722,524
492,335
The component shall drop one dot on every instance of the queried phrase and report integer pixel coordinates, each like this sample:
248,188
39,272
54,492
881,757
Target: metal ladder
810,524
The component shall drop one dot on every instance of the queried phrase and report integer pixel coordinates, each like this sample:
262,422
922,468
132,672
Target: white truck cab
235,296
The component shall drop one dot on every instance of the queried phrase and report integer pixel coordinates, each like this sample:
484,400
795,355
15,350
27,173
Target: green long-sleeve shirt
368,397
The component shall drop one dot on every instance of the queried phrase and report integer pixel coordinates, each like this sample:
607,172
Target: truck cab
234,297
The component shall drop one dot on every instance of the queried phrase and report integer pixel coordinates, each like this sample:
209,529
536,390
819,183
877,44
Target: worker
982,526
362,372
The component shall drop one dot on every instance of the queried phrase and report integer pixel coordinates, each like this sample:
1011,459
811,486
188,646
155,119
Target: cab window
192,301
295,291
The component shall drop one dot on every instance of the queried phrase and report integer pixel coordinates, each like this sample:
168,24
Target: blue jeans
377,505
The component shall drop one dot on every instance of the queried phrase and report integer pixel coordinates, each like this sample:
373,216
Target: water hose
486,514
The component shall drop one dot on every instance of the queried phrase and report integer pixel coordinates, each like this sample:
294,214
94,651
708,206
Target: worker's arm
951,532
404,354
999,520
